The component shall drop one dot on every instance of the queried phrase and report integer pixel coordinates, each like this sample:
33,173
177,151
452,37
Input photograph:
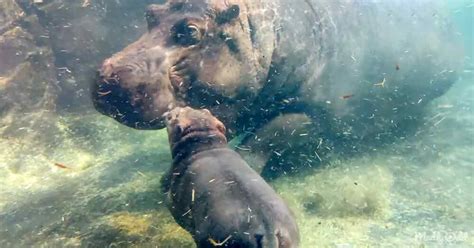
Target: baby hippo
213,192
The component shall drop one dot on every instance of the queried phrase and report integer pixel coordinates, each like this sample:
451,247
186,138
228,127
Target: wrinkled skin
213,192
184,59
347,72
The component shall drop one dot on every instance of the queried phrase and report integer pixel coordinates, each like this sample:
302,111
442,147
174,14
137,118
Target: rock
50,50
27,74
9,11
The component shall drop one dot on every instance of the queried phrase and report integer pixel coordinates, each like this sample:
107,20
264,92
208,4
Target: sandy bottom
96,183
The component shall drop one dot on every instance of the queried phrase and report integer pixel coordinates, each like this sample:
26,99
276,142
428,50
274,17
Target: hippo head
199,53
186,125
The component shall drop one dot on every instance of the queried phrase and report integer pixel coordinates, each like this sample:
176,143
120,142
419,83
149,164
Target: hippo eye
194,32
186,34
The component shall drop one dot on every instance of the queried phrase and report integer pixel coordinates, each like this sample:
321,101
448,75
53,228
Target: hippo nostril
102,81
108,86
123,72
109,71
123,69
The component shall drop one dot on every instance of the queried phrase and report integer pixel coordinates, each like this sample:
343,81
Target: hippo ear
167,116
151,18
228,15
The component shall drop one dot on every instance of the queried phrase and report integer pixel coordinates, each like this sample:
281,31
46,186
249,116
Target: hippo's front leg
289,143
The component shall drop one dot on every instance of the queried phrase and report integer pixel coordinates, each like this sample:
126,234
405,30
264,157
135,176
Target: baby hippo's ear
221,127
207,111
228,15
166,116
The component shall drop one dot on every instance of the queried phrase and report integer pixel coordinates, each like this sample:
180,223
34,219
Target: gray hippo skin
213,192
298,78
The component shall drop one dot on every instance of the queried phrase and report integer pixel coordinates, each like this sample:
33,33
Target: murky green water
72,177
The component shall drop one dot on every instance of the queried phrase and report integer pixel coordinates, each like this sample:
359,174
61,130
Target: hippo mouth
180,75
110,99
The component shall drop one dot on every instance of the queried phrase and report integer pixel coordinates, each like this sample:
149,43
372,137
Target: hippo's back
379,62
237,200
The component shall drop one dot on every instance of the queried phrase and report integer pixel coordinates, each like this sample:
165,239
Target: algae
129,223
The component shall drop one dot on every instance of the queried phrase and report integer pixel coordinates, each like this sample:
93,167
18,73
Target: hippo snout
126,89
112,99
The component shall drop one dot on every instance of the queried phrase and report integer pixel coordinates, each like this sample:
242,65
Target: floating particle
382,84
344,97
62,166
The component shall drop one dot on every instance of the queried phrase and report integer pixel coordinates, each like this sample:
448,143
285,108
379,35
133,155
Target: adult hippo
299,77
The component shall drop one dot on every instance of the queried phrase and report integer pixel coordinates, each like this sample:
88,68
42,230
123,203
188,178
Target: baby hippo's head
187,125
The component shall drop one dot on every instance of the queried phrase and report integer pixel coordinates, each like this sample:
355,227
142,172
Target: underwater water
71,177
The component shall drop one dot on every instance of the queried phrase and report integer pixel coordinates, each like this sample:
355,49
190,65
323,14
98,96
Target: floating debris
242,148
215,243
320,143
445,106
187,212
86,3
344,97
382,84
103,93
438,122
65,69
317,155
62,166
